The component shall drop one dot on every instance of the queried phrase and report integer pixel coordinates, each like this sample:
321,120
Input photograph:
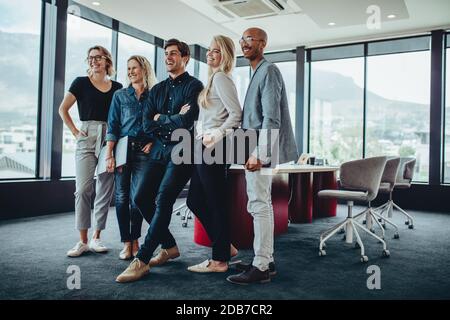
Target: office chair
386,186
402,181
360,180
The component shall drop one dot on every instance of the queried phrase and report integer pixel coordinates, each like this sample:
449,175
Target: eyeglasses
248,40
96,58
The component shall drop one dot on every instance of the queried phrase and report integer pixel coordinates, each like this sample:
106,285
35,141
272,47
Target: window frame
416,46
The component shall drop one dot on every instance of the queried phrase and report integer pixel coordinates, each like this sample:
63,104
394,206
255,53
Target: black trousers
207,199
163,184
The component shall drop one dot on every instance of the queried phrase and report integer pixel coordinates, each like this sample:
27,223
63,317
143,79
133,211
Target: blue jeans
129,182
164,182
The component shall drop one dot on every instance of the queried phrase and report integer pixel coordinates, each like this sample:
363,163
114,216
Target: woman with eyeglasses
125,119
93,94
220,112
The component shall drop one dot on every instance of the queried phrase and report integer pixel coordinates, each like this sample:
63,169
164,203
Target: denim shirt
125,115
166,98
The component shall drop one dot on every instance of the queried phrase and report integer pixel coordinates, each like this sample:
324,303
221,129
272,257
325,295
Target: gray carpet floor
33,264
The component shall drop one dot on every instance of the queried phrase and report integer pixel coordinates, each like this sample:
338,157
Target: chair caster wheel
357,246
396,236
322,253
411,226
364,259
379,220
341,230
364,222
178,213
189,217
386,253
372,230
407,222
184,224
344,237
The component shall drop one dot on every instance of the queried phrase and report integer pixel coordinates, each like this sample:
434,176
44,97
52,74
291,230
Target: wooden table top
293,168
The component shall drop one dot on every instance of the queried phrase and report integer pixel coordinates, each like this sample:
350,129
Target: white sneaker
78,250
97,246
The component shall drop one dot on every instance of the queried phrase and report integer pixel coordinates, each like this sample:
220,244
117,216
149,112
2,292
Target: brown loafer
135,271
163,256
252,275
246,266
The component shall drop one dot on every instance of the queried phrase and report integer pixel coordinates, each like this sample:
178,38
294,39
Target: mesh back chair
402,181
360,180
183,209
386,186
185,214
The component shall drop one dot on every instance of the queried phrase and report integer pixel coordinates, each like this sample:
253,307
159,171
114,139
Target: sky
12,13
404,77
385,73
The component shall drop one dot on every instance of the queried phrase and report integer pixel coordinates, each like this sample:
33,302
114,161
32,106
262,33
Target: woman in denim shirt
125,119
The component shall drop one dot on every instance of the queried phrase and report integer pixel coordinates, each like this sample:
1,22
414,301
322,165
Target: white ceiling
174,18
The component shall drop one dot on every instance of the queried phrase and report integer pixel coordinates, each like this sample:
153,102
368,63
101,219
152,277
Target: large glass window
447,119
129,46
81,35
203,73
288,70
241,77
398,108
190,68
19,81
336,109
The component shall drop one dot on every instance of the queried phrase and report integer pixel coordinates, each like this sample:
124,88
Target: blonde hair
226,46
110,71
147,70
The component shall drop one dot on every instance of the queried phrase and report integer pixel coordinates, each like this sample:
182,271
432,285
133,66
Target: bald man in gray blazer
265,110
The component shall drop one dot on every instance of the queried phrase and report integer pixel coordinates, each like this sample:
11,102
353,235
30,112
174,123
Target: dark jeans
128,184
163,184
207,199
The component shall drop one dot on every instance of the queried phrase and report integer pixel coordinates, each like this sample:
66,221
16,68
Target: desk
294,197
241,220
305,182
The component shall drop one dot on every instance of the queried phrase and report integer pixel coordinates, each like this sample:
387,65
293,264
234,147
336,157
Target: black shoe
252,275
246,266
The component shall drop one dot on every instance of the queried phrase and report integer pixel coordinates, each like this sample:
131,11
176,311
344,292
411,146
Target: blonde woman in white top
220,112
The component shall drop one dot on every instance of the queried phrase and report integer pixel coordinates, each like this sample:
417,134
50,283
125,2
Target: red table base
241,220
324,207
304,204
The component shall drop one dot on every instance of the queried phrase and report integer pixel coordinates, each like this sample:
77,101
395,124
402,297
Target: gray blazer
266,107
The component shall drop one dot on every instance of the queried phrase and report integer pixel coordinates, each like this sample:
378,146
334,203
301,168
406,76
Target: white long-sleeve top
223,111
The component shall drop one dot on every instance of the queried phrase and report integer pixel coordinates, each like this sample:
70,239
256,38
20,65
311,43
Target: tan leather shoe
135,248
233,251
163,256
125,254
135,271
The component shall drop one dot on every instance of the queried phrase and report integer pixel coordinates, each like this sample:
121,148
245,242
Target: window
398,104
81,35
288,70
19,81
336,109
241,77
203,73
190,68
447,117
129,46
